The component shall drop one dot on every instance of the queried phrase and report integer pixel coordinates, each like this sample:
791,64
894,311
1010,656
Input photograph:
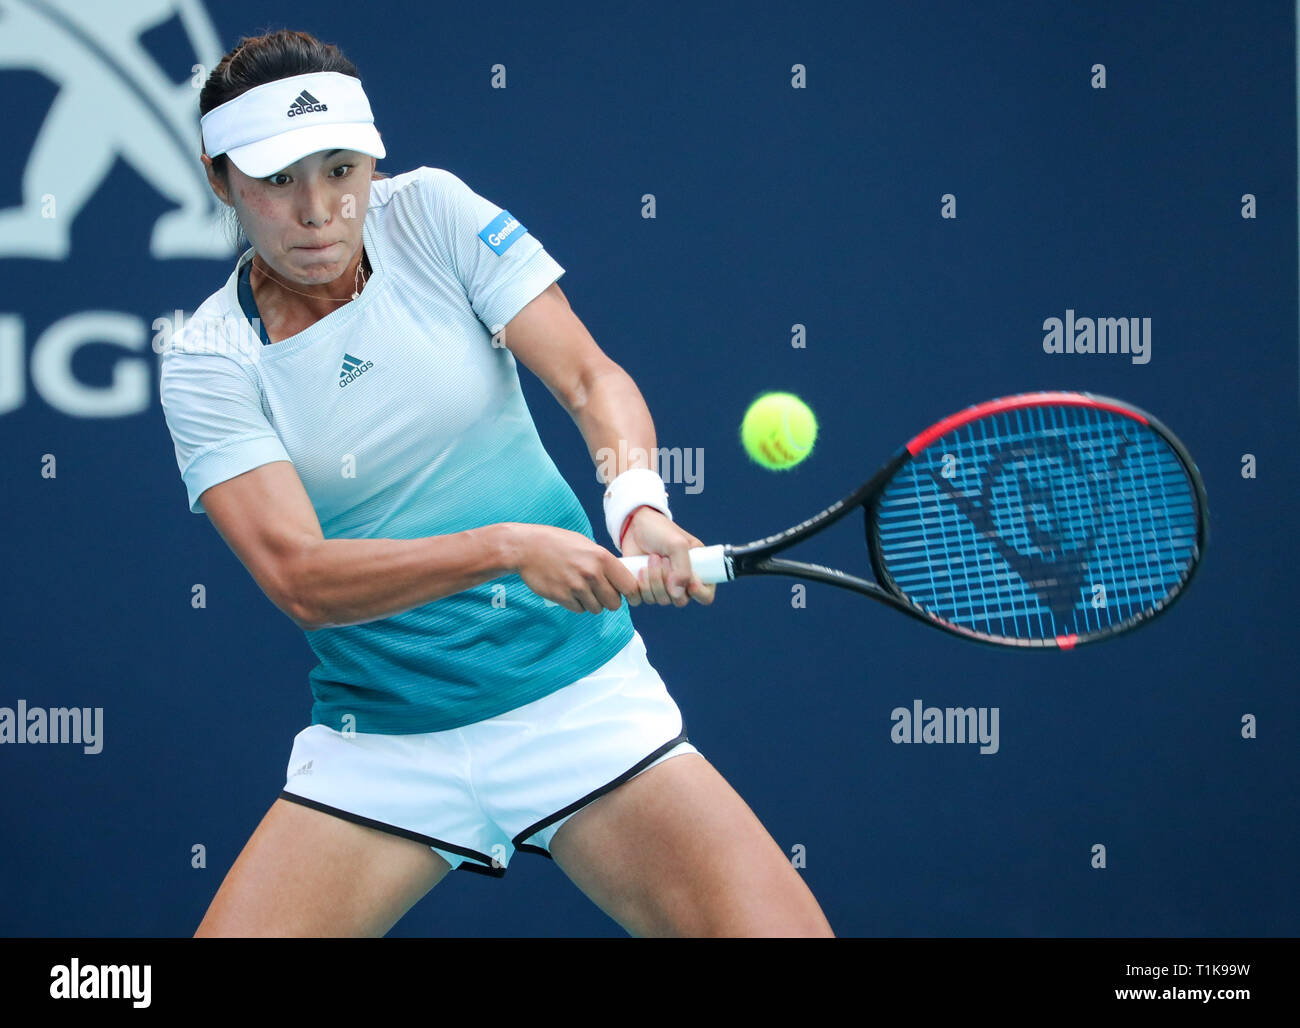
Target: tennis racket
1044,520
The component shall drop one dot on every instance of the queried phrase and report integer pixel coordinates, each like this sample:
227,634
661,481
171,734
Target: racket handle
707,563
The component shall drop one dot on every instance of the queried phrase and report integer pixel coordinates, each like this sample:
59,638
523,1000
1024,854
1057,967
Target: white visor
271,126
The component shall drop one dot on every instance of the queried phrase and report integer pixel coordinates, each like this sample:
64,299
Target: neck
314,301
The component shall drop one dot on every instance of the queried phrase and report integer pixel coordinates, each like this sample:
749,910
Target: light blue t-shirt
403,420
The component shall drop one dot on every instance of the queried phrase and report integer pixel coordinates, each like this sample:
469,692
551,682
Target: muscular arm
352,581
267,519
608,408
599,395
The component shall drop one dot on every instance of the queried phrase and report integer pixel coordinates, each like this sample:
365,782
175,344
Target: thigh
675,851
307,873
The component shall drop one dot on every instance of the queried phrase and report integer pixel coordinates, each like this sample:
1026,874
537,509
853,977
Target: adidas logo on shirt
305,104
304,770
352,369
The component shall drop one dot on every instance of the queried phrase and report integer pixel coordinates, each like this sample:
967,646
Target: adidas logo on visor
305,104
352,369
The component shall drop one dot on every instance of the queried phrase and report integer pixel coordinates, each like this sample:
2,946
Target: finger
697,590
679,573
647,586
675,581
700,592
607,594
658,582
586,601
631,591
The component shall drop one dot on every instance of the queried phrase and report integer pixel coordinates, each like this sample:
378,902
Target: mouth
317,249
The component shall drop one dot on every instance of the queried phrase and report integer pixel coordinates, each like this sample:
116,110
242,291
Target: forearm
616,424
352,581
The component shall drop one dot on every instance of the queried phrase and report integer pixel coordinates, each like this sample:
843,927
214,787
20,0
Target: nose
314,201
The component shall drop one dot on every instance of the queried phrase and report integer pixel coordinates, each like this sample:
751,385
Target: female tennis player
361,443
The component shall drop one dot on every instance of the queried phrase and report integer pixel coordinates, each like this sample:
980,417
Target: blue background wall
818,206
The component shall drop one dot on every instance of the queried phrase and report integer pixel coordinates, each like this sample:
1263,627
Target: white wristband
635,487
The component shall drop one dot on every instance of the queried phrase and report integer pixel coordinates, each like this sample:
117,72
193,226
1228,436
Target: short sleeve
214,412
500,263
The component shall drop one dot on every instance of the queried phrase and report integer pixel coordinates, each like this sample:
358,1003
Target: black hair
258,60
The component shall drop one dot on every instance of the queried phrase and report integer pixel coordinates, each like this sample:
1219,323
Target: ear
217,186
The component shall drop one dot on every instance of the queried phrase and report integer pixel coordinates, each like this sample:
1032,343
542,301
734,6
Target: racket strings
1041,522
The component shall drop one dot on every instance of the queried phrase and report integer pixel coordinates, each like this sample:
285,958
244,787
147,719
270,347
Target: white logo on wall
114,102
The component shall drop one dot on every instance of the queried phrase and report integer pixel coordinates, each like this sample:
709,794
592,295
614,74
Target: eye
278,174
349,168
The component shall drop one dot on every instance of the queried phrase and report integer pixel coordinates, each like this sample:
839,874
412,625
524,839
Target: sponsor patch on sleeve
501,232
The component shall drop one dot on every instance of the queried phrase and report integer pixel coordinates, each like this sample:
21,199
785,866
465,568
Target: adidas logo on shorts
304,770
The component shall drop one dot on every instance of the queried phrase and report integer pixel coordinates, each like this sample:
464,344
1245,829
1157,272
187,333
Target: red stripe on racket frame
1006,403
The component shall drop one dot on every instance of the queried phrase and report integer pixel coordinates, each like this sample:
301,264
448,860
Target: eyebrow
327,157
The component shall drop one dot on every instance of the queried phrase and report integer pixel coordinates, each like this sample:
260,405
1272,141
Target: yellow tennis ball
778,431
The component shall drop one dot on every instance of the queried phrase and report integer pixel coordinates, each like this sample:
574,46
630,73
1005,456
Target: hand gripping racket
1044,520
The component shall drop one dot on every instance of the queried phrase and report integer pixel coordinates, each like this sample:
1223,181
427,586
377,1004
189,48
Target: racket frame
757,557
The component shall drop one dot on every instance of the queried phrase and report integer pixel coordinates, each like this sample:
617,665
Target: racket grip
707,563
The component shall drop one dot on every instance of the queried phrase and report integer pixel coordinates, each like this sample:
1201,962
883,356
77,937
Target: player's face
305,220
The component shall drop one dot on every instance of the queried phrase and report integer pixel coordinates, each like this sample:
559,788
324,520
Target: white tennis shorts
476,794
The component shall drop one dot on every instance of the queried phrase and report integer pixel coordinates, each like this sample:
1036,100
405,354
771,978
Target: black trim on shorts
405,833
639,766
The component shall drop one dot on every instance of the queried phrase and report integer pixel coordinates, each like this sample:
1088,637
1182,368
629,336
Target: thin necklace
358,283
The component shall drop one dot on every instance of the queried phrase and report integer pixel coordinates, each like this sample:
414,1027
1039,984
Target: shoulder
216,337
424,183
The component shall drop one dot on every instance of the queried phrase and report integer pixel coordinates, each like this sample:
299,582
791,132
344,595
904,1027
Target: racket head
1045,520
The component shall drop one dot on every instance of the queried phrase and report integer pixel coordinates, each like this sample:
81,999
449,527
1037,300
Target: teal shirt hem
394,719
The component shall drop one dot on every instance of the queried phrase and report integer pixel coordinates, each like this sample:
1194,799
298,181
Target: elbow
588,383
296,595
303,617
300,611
